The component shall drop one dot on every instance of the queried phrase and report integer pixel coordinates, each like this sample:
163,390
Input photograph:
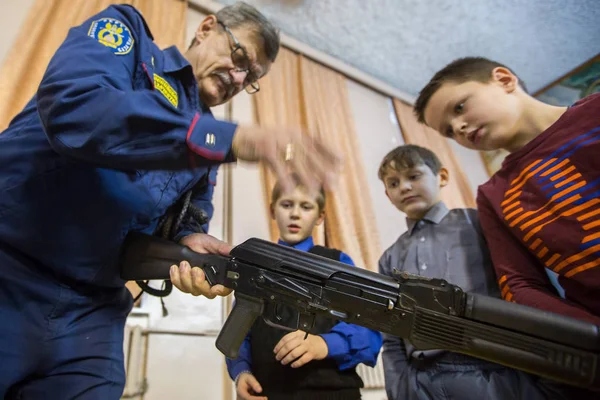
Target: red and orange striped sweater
542,210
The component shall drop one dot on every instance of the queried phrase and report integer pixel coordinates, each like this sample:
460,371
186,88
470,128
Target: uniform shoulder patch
113,34
166,89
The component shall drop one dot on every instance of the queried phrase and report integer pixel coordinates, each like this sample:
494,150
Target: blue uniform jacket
115,134
348,344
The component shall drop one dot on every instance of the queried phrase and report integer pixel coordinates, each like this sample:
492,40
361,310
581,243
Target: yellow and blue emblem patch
113,34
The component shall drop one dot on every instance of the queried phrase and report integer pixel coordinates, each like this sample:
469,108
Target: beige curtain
46,27
458,193
300,92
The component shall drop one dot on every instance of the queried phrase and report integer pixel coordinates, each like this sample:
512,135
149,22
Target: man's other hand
289,150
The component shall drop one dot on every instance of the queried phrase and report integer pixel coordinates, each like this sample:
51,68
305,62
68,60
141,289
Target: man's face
414,190
296,213
221,75
480,116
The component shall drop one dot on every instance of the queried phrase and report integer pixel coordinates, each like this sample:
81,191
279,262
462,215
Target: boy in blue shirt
282,365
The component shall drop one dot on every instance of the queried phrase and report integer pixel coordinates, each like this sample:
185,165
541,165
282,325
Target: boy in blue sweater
282,365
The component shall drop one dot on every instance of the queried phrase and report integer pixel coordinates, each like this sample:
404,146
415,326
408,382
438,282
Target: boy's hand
192,280
293,346
247,386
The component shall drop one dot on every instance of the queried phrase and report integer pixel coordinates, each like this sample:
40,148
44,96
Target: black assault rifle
431,313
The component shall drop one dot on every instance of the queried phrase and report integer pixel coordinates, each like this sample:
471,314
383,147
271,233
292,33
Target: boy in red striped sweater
540,212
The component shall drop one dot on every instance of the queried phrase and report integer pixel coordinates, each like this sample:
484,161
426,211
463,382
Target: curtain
46,27
300,92
458,193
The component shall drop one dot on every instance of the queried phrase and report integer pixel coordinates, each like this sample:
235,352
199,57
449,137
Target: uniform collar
435,215
173,60
304,245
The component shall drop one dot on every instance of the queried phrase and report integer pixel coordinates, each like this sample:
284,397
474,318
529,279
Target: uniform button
422,239
210,139
423,267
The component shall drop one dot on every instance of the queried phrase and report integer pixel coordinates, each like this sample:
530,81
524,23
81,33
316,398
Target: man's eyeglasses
240,59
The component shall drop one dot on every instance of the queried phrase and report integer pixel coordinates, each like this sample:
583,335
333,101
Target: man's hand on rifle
191,279
293,346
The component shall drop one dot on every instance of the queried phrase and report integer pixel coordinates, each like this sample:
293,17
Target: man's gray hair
242,14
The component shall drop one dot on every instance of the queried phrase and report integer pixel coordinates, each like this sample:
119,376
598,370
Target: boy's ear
387,194
321,218
444,177
272,210
505,78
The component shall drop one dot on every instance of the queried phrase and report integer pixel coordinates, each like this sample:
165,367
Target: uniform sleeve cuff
241,366
211,139
183,233
336,345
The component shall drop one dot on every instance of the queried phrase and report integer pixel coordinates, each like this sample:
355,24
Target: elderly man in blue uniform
116,134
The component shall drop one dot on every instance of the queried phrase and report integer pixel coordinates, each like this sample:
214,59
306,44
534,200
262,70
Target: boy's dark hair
462,70
278,189
408,156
